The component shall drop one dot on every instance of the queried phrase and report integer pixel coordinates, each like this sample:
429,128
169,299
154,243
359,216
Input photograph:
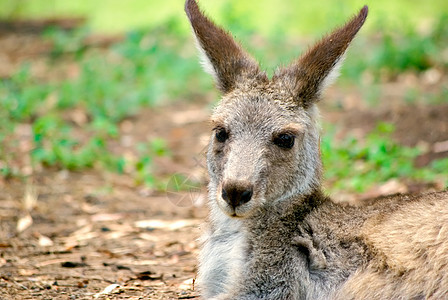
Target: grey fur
290,241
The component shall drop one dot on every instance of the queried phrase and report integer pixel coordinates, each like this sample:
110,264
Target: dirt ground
66,235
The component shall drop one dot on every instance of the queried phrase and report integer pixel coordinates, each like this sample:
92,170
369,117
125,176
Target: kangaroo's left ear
319,66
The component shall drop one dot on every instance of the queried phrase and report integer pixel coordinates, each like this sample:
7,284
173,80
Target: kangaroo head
265,142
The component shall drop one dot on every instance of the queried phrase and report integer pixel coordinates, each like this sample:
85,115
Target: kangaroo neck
294,208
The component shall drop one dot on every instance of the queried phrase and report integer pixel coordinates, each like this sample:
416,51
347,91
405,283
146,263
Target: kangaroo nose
236,194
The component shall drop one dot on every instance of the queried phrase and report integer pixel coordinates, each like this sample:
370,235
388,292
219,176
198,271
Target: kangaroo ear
319,66
222,57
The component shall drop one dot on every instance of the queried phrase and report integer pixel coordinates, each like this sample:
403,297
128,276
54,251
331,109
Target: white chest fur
222,256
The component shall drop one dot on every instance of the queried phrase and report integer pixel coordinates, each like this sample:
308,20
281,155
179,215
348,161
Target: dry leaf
90,209
27,272
187,284
45,241
107,217
107,290
50,262
79,117
440,147
149,237
30,198
161,224
24,222
174,259
115,235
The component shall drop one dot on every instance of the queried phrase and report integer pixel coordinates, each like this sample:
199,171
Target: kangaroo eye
221,135
284,140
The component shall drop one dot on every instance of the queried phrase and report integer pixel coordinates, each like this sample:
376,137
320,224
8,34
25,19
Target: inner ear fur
224,58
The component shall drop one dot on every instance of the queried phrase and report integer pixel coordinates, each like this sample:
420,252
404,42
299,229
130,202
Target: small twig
57,277
187,297
50,262
86,277
19,284
40,253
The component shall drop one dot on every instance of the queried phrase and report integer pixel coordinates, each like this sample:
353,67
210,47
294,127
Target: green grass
355,166
112,85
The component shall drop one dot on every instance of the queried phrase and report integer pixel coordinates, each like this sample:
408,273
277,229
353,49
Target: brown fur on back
411,251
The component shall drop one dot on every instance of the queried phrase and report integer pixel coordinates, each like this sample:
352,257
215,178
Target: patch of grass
143,167
146,68
437,169
439,97
355,166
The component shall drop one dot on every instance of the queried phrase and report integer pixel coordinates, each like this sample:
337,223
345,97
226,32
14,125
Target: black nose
236,194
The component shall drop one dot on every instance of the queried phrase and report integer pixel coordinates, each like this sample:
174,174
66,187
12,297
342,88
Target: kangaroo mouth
239,212
233,212
236,216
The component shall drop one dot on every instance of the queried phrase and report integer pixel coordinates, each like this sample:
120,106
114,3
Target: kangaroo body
393,248
272,233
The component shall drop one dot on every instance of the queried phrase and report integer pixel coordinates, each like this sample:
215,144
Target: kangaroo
272,233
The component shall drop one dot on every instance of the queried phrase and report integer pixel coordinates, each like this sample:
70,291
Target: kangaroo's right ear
222,57
308,76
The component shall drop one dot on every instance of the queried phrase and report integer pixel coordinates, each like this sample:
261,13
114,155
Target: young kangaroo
272,233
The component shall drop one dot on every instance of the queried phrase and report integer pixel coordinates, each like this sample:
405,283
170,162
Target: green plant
354,165
67,41
144,166
113,84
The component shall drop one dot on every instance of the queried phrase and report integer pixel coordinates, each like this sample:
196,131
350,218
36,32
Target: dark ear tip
364,11
190,5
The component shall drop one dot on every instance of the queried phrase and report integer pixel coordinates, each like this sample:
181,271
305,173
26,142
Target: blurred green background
266,17
149,61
